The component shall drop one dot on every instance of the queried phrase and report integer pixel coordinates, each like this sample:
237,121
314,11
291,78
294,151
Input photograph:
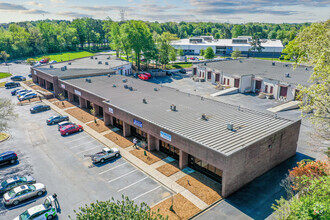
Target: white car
24,192
45,211
37,64
53,61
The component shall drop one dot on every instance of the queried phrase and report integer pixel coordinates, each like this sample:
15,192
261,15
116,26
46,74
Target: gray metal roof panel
186,121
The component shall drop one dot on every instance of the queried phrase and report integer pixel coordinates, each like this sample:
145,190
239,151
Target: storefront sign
63,86
165,136
77,92
111,110
138,123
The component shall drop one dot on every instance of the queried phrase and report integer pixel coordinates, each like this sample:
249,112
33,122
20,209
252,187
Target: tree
236,53
256,45
312,47
30,61
209,53
180,52
6,113
111,209
4,56
93,112
164,47
173,55
201,52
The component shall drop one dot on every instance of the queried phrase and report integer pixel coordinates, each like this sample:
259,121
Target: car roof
13,179
20,188
7,153
68,126
65,122
36,209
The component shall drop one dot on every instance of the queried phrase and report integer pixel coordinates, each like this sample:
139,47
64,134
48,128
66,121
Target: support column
106,119
96,108
153,143
126,129
82,102
47,85
70,97
183,160
34,78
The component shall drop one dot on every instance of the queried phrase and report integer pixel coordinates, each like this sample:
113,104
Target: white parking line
113,168
132,184
76,139
122,176
82,144
87,150
146,193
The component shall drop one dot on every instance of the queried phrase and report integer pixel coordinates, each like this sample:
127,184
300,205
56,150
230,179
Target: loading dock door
208,75
217,77
258,86
236,85
283,91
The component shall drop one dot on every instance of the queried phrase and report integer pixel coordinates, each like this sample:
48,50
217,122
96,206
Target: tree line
23,39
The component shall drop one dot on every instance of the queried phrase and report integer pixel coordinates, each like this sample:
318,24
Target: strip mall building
230,144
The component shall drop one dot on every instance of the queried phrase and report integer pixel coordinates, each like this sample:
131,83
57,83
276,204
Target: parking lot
60,163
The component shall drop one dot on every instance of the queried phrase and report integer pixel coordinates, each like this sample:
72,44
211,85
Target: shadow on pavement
256,198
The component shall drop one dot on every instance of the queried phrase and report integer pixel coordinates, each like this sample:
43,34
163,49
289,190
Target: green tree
6,113
112,209
236,53
209,53
180,52
4,56
164,47
256,45
173,55
81,28
312,46
201,52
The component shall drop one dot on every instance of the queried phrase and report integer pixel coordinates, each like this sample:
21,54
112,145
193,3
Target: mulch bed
183,208
169,169
201,186
151,157
99,126
27,101
80,114
118,139
63,104
34,86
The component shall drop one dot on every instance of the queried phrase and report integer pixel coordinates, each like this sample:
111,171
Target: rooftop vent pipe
106,63
95,58
144,101
62,69
65,68
155,89
273,63
109,75
100,62
204,117
126,86
230,126
88,80
51,66
130,88
69,63
124,80
114,85
92,57
287,75
108,58
173,107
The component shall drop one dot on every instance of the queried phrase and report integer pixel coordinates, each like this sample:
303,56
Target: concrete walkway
148,169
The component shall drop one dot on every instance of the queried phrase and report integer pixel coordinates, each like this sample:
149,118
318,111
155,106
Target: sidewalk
148,169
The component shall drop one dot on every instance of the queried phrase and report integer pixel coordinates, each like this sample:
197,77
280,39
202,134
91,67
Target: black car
39,108
182,71
13,92
30,75
13,182
8,157
10,85
18,78
56,119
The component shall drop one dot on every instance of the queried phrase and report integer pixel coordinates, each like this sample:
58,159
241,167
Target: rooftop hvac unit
114,85
88,80
69,63
306,68
204,117
173,107
124,80
273,63
92,57
126,86
62,69
287,75
108,58
51,66
65,67
100,62
230,126
144,101
95,58
241,61
109,75
286,65
155,89
130,88
106,63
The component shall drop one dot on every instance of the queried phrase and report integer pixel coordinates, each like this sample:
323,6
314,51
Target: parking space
60,163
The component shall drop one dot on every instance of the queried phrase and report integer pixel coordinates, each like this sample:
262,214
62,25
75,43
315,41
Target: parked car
56,119
43,61
24,192
30,75
168,73
182,71
28,96
15,91
18,78
8,157
45,211
39,108
147,74
104,155
70,129
22,92
14,182
64,123
143,76
37,64
53,61
10,85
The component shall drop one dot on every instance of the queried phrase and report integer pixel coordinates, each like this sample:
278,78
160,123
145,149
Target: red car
43,61
69,129
143,76
148,75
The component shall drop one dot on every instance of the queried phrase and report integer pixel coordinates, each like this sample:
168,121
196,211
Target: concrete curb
9,136
205,210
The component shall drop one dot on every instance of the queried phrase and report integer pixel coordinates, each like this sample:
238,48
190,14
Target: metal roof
263,69
250,125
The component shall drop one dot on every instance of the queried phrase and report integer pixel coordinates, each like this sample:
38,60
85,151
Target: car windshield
23,178
4,183
25,215
52,117
32,187
11,193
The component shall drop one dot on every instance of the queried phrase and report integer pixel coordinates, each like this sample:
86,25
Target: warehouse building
224,47
229,144
278,79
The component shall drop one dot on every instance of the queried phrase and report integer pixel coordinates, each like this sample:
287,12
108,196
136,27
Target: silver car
13,182
21,193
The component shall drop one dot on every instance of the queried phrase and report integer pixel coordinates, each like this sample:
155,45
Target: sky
232,11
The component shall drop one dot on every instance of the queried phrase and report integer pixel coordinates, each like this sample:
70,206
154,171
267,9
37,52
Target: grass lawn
4,75
65,56
179,65
3,136
2,84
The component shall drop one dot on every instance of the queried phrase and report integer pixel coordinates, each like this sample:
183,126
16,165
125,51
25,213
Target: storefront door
169,150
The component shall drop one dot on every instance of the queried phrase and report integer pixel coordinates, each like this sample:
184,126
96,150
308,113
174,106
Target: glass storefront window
205,168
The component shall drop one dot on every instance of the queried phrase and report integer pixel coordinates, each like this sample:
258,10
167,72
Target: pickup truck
104,155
